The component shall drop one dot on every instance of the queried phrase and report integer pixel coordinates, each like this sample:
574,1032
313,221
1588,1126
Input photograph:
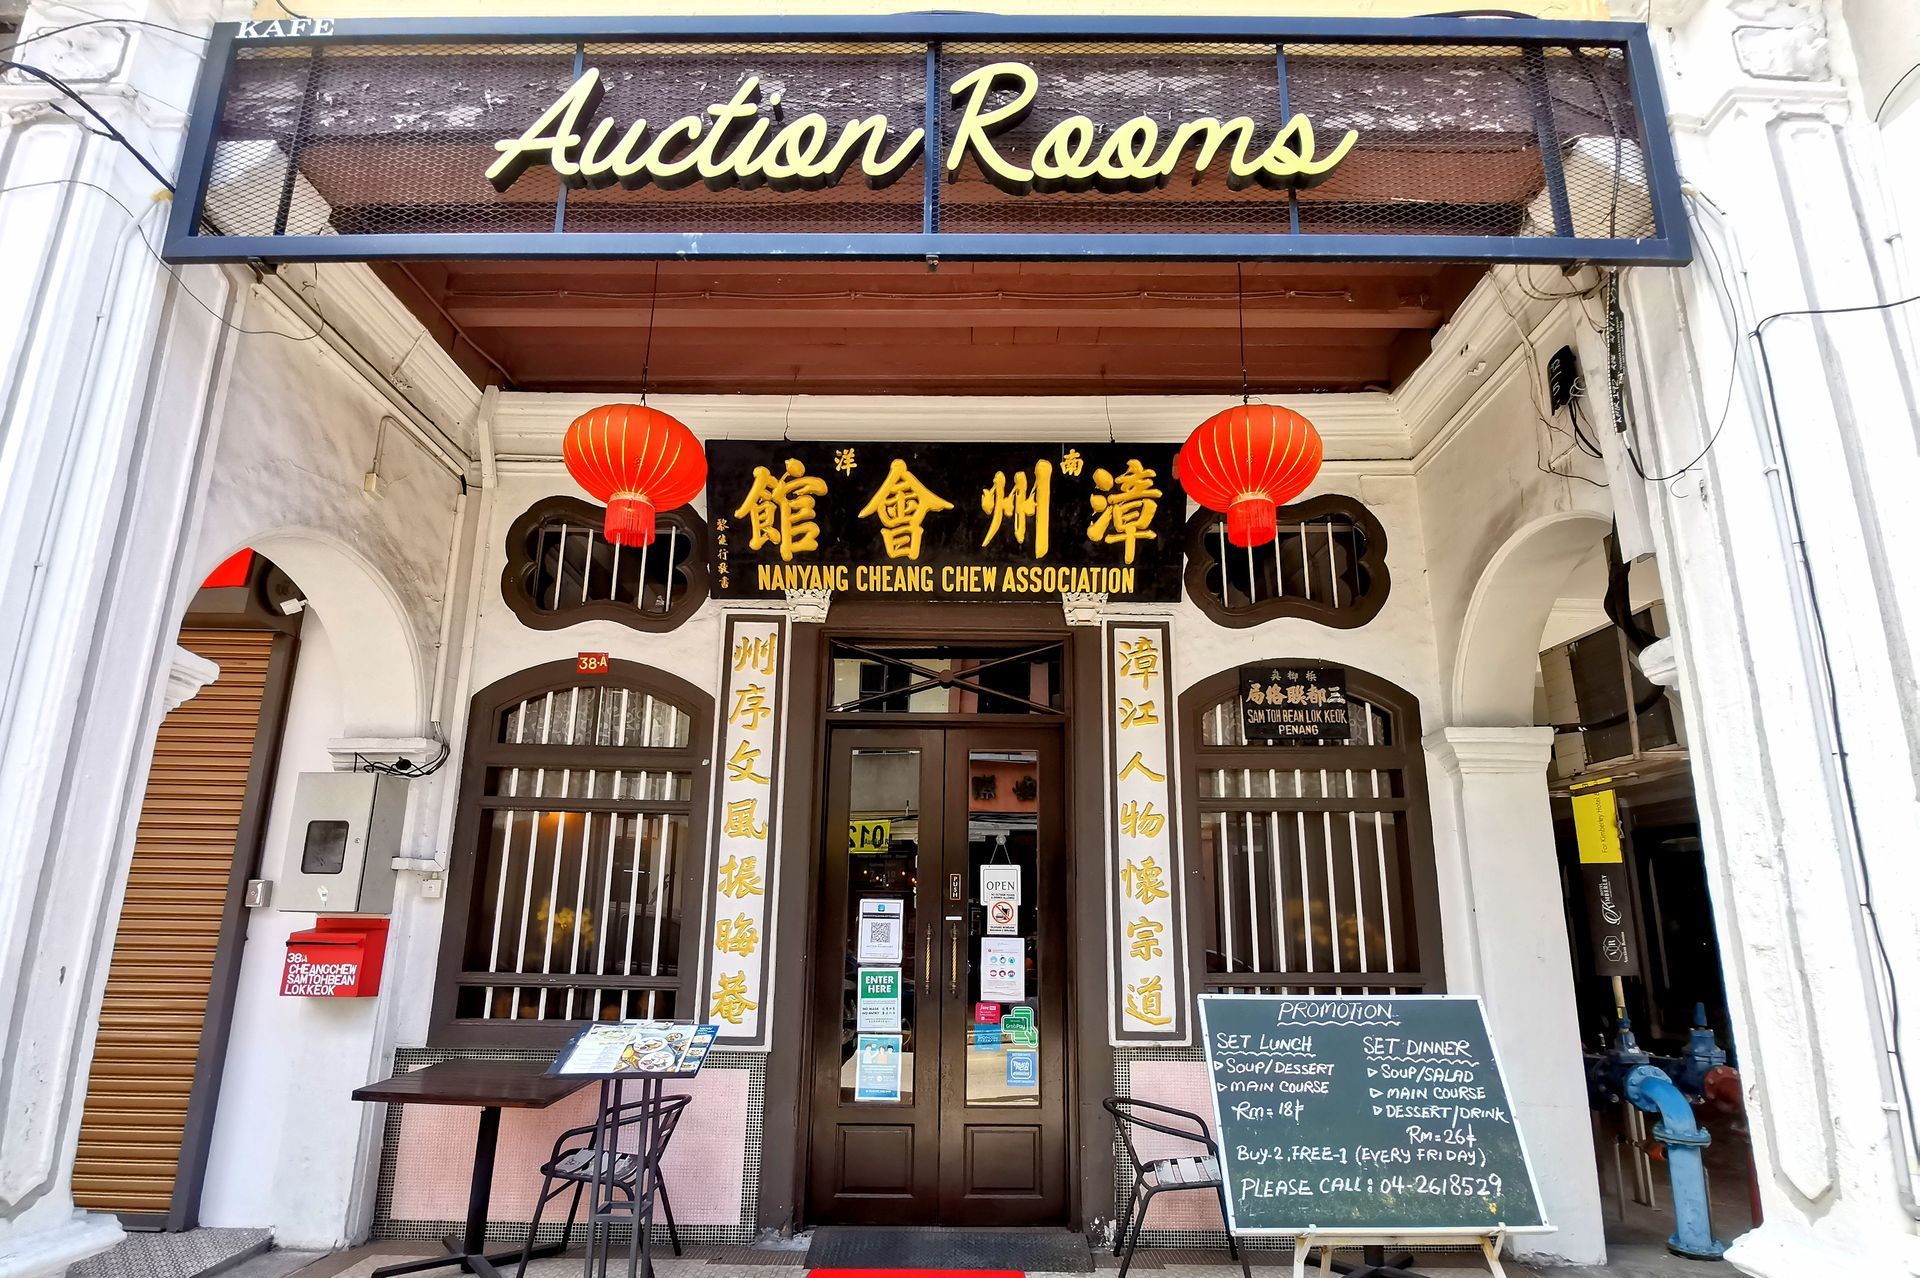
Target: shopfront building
942,751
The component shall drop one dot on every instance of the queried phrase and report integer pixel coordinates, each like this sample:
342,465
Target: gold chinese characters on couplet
742,855
733,144
1144,852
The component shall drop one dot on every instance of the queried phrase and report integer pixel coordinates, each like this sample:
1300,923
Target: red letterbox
339,957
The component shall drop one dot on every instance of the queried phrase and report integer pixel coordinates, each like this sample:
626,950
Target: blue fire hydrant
1649,1088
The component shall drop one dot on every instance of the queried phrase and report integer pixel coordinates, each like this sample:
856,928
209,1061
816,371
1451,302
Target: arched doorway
174,964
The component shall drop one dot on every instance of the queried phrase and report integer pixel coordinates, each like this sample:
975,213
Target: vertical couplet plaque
1144,866
741,867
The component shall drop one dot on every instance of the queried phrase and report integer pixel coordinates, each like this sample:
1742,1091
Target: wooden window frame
1201,548
516,579
446,1028
1407,755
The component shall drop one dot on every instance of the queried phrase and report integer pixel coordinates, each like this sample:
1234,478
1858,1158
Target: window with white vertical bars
1307,855
1326,563
586,794
561,569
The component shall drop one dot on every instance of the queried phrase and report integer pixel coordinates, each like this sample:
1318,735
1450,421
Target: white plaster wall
503,646
498,645
1492,472
287,477
1397,645
286,1132
1768,103
291,1150
1482,483
1477,483
299,435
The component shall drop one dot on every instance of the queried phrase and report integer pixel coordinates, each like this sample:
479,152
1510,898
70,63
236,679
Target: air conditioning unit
1606,192
1590,682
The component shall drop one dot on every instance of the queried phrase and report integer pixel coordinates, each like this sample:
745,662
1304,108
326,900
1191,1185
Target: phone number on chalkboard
1456,1186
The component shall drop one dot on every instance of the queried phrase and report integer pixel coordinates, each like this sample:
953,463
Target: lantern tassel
629,520
1251,521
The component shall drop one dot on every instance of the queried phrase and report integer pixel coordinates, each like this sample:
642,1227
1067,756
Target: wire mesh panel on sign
1260,138
1110,84
790,84
383,139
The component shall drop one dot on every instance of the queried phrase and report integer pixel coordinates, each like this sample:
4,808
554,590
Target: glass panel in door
883,873
1003,831
1002,1120
876,1123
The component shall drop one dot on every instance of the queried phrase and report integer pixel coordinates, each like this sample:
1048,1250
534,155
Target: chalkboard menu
1363,1115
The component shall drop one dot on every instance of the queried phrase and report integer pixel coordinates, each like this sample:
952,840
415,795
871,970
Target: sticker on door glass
1000,893
1020,1026
1002,918
880,931
869,837
876,1067
1003,969
879,1002
1023,1068
986,1038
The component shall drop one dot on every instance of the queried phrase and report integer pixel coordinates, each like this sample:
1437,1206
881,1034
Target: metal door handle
953,959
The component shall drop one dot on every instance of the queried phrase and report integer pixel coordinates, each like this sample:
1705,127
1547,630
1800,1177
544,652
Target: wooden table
491,1086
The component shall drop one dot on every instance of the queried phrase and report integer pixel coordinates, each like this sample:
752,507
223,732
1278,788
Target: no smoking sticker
1001,918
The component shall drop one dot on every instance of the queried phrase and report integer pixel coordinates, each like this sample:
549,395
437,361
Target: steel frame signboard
929,135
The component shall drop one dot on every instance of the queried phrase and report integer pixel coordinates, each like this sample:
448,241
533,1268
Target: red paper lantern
1247,461
637,460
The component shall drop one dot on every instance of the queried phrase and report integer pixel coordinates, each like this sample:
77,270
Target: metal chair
1164,1175
574,1165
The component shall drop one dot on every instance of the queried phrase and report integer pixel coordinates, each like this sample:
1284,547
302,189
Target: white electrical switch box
338,857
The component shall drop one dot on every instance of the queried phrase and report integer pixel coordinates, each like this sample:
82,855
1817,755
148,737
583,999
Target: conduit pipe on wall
1812,644
418,427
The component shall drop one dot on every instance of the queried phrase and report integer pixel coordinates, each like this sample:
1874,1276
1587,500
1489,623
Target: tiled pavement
1630,1261
191,1254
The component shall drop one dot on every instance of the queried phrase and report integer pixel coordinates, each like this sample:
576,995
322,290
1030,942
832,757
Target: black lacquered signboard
1289,702
966,522
1357,1114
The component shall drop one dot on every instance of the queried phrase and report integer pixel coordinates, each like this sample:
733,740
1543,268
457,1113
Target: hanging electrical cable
61,86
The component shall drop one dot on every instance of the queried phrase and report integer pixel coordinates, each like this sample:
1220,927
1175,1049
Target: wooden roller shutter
162,969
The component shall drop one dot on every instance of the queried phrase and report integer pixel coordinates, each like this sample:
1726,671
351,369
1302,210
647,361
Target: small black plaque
1288,703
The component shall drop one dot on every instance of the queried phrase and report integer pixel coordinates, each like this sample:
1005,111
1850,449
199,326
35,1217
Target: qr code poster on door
879,932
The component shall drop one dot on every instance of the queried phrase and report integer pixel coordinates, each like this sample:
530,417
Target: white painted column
108,375
1510,882
1791,214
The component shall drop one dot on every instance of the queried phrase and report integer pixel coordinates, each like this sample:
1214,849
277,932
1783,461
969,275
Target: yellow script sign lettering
732,144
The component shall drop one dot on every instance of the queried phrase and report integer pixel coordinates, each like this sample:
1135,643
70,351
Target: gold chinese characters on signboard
977,521
1294,703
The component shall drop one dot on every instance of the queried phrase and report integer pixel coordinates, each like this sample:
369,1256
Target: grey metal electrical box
338,857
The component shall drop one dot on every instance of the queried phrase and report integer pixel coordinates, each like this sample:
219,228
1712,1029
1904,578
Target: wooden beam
773,313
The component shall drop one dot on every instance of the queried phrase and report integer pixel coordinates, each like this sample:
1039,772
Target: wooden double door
940,999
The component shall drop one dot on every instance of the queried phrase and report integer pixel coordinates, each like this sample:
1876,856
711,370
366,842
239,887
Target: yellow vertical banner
745,832
1596,827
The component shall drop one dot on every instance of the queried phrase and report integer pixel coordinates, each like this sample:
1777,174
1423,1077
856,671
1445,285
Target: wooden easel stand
1376,1264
